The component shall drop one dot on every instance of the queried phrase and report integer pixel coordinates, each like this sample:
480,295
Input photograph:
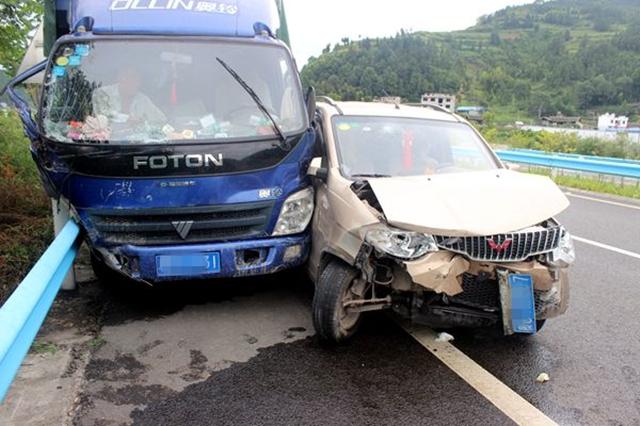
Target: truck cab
177,133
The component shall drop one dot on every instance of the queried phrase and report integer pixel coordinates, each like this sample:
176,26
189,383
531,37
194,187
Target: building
611,121
441,100
389,100
562,120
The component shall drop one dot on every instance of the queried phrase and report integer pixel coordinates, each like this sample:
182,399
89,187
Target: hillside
564,55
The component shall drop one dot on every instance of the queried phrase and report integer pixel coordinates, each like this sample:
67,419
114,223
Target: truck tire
331,322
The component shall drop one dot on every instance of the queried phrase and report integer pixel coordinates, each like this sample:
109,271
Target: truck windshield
391,146
161,91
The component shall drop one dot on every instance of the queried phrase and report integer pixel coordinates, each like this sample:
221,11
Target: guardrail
24,312
589,164
581,156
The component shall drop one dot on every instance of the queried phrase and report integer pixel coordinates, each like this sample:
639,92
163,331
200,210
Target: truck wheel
333,289
540,324
103,273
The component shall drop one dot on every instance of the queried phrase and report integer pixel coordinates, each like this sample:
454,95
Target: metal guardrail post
61,216
24,312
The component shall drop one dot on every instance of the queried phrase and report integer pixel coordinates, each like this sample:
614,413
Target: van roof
386,110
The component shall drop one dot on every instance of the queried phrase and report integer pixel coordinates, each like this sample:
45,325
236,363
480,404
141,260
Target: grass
590,184
44,348
25,224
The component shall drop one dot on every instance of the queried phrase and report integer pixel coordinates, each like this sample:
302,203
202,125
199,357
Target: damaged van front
416,214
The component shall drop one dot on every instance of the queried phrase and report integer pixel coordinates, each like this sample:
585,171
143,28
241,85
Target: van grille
145,227
512,247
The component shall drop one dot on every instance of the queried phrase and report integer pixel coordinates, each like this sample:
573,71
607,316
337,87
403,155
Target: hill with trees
563,55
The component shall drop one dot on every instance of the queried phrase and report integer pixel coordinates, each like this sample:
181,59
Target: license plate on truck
188,265
523,306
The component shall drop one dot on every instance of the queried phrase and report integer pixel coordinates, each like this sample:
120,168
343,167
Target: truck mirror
22,105
316,170
311,103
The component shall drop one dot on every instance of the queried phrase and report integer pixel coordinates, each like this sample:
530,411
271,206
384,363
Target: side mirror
311,103
316,170
22,106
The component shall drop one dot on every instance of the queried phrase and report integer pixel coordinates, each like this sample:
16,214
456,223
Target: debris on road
444,337
542,378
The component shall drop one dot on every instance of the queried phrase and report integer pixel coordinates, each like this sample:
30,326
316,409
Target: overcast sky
314,24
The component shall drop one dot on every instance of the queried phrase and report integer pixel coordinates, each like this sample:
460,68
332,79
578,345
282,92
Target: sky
314,24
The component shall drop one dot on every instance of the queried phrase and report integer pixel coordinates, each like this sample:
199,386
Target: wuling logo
188,5
497,247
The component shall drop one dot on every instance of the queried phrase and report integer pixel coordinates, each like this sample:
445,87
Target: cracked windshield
408,147
154,91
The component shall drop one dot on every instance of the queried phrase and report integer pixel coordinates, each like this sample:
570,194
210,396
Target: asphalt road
243,352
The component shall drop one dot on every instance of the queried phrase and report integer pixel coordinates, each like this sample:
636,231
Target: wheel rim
347,320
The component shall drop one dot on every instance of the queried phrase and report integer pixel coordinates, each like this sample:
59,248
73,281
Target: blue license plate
523,306
188,265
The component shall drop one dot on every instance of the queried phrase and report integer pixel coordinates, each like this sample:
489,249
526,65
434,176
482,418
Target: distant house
562,120
611,121
441,100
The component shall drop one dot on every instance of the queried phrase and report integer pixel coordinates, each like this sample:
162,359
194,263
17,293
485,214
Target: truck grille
511,247
182,225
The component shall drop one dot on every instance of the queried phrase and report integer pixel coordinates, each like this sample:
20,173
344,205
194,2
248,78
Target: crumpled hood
469,204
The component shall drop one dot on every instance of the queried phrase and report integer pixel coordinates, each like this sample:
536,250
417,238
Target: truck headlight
296,213
401,244
564,255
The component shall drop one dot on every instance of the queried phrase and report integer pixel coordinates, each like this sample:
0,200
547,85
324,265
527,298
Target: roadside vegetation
561,142
602,186
25,224
575,57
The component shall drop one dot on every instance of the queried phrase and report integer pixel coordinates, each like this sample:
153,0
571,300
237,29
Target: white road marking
599,200
607,247
505,399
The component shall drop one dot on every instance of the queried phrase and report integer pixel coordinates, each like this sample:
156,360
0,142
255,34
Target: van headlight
296,213
565,254
401,244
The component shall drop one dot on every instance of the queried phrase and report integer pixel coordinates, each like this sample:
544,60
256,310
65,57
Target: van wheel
333,289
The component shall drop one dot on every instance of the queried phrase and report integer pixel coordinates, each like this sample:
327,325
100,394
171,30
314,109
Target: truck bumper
237,259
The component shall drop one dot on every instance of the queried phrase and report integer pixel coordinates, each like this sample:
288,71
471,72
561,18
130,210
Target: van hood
468,204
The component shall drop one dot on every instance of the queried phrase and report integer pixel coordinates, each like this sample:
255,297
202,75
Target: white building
611,121
441,100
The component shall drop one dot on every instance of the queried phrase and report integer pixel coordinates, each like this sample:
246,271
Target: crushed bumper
238,258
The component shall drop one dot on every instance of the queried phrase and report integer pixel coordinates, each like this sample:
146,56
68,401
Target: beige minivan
416,214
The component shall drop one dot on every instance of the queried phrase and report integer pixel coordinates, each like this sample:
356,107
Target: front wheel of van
333,289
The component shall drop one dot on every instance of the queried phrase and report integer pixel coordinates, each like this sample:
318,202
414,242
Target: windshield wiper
370,175
283,140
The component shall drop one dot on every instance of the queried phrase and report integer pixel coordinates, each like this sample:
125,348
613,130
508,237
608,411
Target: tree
18,20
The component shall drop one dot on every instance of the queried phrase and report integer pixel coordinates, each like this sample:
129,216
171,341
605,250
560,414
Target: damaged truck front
176,133
416,214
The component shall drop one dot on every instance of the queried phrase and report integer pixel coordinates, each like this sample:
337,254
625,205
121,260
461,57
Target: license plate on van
188,265
523,306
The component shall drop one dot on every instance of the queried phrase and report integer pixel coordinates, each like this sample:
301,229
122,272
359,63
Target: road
243,352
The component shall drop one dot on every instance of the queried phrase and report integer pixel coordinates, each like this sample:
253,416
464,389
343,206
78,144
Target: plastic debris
542,378
444,337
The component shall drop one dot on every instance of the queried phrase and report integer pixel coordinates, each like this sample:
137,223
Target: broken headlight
401,244
564,255
296,213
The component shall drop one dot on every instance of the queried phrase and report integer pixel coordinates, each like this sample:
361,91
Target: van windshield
160,91
392,146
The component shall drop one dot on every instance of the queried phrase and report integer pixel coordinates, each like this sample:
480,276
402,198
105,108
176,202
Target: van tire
330,321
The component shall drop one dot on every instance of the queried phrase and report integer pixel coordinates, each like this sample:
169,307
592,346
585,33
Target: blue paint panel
22,315
523,309
188,265
234,18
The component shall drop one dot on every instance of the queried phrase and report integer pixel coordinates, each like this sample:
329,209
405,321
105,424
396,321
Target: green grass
44,348
25,224
593,185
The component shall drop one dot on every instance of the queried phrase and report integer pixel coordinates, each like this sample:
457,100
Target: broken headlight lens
564,255
401,244
296,213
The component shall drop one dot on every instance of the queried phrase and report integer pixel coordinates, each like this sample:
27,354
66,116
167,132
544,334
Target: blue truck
178,134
